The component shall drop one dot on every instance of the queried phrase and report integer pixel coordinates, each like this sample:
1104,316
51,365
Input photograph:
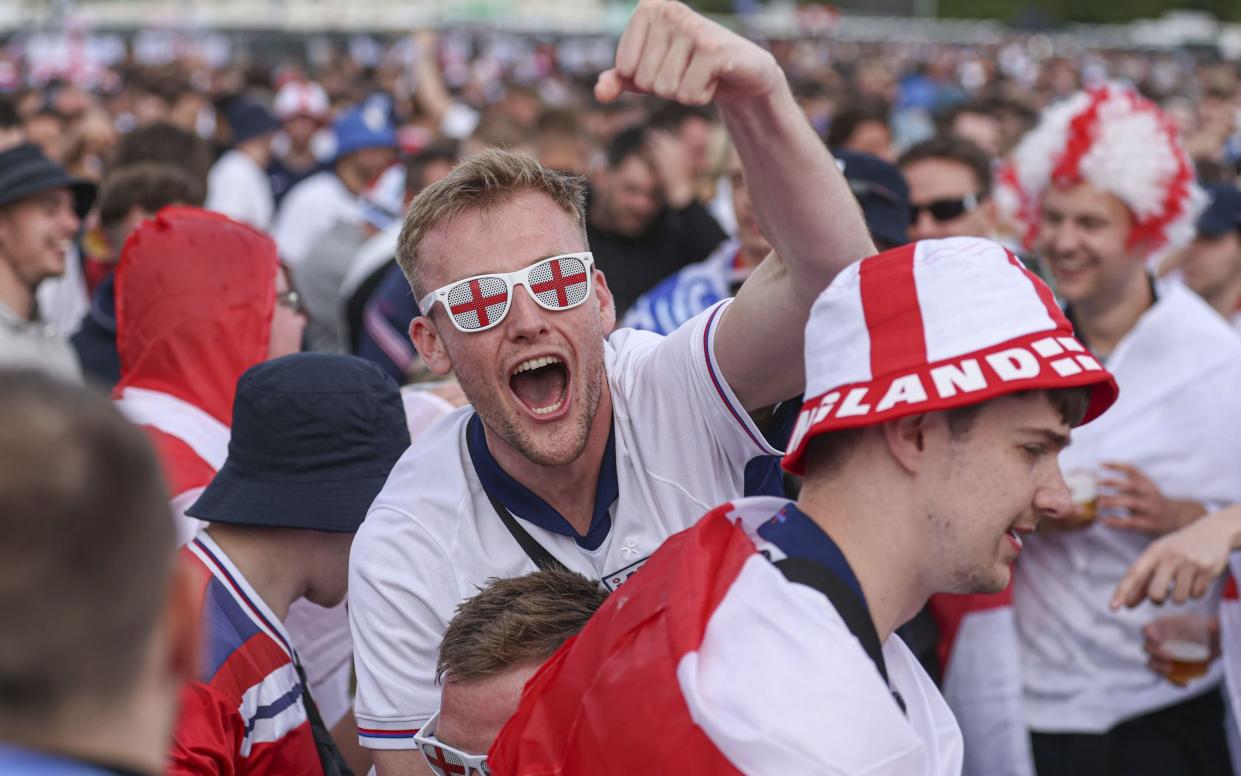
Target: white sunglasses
478,303
446,760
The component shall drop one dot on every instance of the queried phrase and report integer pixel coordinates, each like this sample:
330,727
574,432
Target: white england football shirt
679,446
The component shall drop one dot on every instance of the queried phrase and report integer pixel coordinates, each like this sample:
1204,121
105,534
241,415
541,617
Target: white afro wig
1118,141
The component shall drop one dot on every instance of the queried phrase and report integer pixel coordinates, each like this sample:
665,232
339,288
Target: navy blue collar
798,536
524,503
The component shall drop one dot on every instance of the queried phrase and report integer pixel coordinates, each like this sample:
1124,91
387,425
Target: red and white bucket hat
930,326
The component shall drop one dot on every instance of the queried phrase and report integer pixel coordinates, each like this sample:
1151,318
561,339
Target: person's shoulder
429,484
319,186
1194,315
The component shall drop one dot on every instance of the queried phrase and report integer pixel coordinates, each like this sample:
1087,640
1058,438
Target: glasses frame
291,300
511,280
473,763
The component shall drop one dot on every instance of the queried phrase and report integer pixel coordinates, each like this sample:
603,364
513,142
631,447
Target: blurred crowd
224,250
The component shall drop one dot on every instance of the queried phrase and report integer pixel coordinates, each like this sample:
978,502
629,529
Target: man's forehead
500,239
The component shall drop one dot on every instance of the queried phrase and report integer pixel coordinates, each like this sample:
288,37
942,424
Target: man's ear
907,440
607,305
989,214
430,346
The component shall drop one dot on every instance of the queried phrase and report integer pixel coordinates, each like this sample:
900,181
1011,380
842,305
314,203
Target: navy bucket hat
25,172
314,437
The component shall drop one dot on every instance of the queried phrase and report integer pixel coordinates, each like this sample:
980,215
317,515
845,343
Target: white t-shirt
310,209
1177,420
239,188
680,443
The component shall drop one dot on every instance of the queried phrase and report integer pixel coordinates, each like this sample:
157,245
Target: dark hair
151,186
827,453
670,116
8,112
88,549
416,164
167,82
514,621
860,110
956,149
560,122
168,144
628,142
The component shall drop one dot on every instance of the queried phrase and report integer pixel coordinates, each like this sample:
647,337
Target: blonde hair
480,182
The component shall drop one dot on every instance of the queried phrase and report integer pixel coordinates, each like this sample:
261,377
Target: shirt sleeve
674,383
208,734
402,592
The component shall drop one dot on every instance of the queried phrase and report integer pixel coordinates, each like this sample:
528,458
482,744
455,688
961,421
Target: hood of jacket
195,294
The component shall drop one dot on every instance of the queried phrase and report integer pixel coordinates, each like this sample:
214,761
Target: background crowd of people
224,249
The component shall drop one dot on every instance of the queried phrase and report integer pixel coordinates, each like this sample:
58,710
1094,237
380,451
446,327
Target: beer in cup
1190,659
1180,646
1084,488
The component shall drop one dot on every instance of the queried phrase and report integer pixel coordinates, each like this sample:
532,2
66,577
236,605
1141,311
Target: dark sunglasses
944,209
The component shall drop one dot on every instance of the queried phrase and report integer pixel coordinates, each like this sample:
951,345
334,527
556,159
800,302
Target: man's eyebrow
1055,438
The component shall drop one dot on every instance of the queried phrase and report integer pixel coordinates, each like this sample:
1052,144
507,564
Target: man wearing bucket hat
1101,188
366,145
41,208
303,466
238,185
942,380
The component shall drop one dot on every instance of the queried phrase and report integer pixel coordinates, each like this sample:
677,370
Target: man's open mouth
541,384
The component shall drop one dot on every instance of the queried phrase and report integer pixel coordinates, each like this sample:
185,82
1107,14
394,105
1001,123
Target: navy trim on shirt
798,536
524,503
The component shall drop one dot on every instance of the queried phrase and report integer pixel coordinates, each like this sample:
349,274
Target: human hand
1148,510
672,52
1187,562
1180,647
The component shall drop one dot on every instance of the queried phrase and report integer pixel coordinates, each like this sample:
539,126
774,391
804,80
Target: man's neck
299,159
1227,299
258,150
1104,321
14,293
570,488
352,178
130,733
885,559
270,567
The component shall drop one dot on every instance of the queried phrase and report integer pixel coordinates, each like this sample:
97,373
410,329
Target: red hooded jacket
195,294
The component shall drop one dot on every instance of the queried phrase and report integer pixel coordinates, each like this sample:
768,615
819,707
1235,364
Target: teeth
535,363
548,410
1016,537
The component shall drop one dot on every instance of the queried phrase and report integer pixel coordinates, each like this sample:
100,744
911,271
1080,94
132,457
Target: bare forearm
804,204
401,762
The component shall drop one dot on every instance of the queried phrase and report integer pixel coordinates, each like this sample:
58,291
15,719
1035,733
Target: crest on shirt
619,577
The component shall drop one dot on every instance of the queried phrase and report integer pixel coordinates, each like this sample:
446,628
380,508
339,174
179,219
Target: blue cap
1223,214
249,119
882,192
368,125
314,437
